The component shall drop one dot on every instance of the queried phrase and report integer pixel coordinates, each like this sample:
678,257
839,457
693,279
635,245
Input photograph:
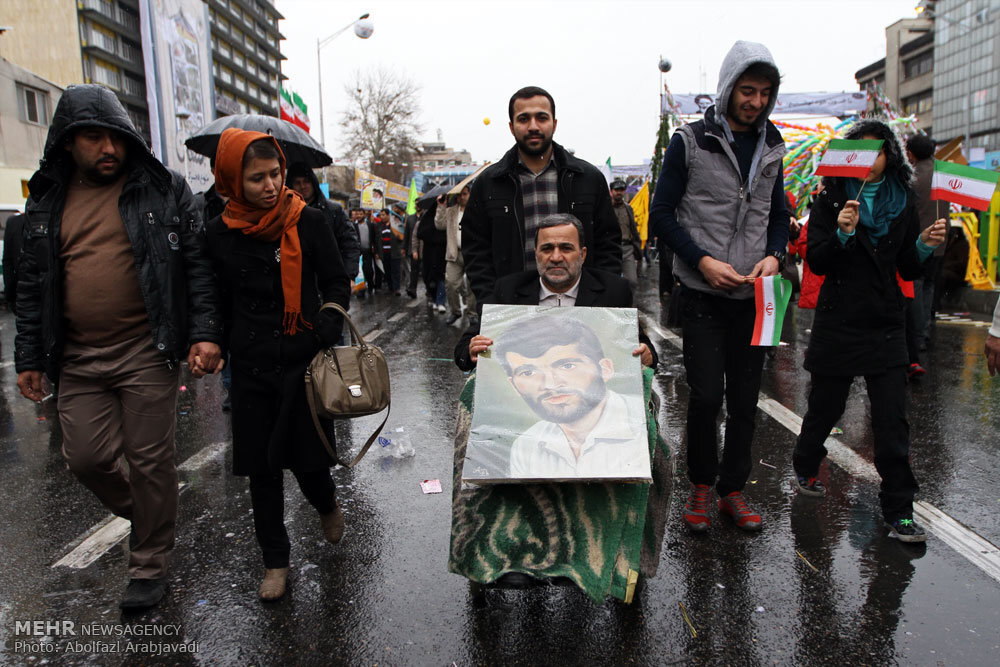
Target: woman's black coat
858,327
272,428
435,246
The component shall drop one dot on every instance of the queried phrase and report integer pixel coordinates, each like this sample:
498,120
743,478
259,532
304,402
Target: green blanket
600,535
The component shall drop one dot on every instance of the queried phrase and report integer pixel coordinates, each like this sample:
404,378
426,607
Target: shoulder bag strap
355,334
322,434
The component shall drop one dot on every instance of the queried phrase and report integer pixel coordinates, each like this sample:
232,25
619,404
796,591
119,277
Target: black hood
297,169
90,105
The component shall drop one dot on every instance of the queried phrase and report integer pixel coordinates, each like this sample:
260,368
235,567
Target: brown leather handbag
345,382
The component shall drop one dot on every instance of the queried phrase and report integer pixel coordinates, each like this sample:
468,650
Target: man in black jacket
13,239
535,178
303,180
115,289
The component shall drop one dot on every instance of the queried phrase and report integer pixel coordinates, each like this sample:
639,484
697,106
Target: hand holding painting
480,344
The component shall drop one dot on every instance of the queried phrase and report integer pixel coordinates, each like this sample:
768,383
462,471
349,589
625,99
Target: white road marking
95,542
980,552
373,334
397,317
204,456
6,364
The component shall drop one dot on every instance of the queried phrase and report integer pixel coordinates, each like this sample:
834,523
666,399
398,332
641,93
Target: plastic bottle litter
396,445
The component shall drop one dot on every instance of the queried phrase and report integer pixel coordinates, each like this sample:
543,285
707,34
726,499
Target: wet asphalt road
383,596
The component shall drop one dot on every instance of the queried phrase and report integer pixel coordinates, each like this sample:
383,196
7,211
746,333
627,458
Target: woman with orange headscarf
271,253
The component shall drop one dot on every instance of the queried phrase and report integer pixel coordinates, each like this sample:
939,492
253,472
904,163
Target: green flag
411,202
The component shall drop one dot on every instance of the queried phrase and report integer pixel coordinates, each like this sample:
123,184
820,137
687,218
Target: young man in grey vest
720,207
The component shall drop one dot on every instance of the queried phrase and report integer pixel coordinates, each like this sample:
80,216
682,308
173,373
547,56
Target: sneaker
696,509
906,530
810,486
143,594
454,317
915,371
441,308
735,506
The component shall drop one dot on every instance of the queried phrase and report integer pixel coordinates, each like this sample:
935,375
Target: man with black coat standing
535,178
368,241
115,290
720,206
303,180
13,240
411,246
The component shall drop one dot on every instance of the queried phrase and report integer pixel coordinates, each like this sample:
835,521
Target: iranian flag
966,186
849,157
771,295
287,110
301,117
293,109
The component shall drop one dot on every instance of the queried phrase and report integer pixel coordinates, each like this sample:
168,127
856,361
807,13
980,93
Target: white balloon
364,28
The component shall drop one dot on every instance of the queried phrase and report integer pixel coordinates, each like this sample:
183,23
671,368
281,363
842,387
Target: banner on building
815,104
177,54
294,110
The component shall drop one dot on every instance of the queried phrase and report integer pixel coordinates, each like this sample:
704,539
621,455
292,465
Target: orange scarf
277,222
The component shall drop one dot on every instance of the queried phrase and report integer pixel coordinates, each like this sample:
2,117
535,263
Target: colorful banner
640,208
966,186
393,191
180,92
373,194
813,104
771,295
852,158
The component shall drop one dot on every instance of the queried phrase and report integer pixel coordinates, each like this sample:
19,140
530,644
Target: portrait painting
558,398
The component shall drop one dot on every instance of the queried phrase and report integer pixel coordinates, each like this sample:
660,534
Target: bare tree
380,123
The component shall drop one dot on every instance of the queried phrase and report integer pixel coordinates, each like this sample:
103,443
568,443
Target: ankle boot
273,586
333,525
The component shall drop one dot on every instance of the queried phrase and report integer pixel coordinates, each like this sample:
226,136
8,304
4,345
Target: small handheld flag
966,186
771,295
411,202
853,158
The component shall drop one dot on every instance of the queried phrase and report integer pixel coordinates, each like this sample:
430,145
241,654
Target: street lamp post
362,28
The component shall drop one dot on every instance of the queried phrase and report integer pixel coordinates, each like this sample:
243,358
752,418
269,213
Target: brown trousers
117,405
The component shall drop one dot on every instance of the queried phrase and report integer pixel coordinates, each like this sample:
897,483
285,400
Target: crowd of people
122,275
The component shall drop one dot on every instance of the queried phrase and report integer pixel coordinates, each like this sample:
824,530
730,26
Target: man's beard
542,149
572,275
95,175
590,397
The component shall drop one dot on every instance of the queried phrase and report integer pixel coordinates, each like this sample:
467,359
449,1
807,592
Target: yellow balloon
486,121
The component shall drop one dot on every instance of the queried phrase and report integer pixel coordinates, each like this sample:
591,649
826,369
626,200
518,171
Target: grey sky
598,59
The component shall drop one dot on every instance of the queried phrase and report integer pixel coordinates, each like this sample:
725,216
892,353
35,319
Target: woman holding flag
862,230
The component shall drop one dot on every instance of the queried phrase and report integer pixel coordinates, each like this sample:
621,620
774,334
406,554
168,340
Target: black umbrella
434,193
296,144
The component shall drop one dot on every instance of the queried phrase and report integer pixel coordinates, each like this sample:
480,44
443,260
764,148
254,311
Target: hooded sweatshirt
721,193
343,230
